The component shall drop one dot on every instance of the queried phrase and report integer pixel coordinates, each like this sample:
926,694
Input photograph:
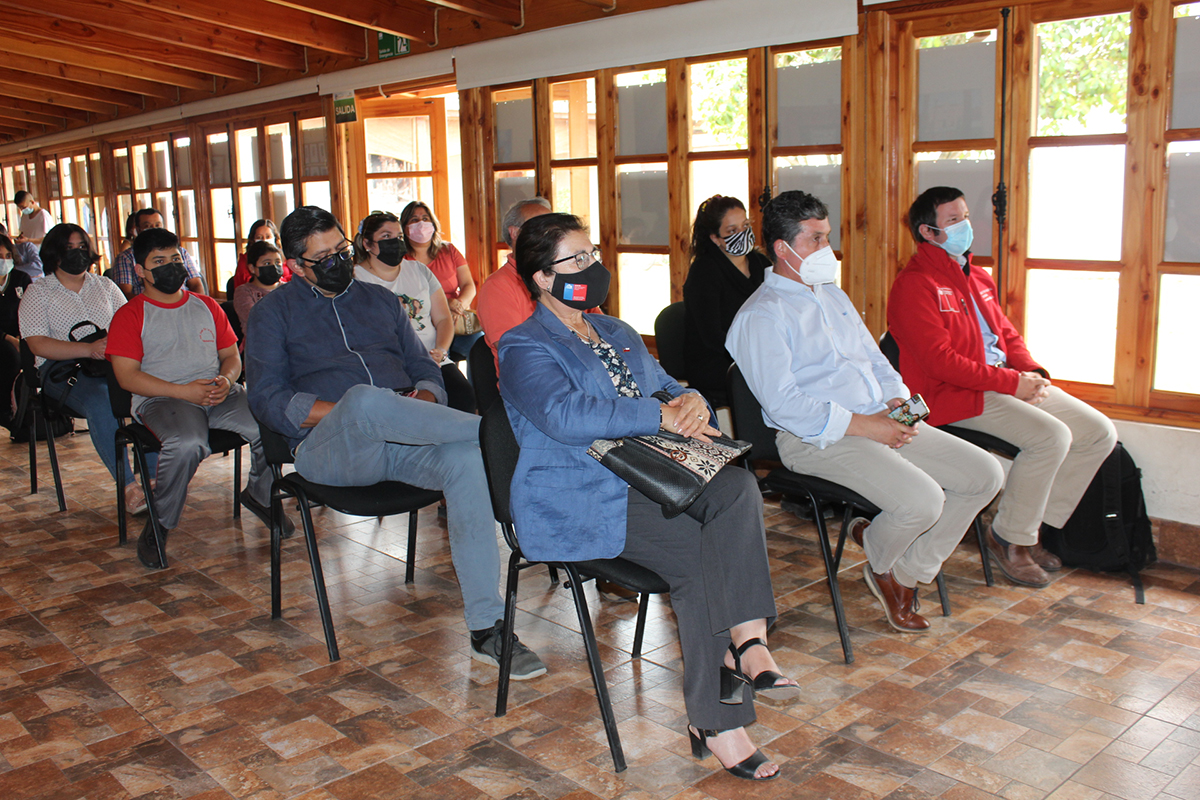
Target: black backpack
1110,530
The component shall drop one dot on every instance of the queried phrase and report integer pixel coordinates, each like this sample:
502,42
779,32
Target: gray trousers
714,558
182,428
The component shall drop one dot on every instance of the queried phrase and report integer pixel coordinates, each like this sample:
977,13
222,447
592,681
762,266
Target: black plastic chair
143,441
500,452
985,441
481,363
45,408
818,492
670,338
383,499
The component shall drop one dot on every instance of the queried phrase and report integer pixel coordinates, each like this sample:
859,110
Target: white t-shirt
415,287
36,224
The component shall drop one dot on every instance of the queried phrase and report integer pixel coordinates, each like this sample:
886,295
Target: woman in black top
12,286
726,269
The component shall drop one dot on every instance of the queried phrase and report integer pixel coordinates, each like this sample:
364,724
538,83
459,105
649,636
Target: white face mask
6,266
27,211
820,267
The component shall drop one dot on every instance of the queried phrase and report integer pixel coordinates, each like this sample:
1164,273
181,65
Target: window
76,195
157,173
18,176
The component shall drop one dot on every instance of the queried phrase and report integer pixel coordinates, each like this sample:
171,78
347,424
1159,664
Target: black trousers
714,558
459,394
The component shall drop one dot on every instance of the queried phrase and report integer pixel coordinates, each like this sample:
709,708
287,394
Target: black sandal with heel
765,683
744,769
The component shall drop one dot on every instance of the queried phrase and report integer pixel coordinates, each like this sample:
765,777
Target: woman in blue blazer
569,378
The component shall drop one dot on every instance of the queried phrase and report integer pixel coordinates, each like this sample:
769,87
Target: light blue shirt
810,360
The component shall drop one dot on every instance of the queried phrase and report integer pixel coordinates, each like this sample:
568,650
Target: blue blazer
560,399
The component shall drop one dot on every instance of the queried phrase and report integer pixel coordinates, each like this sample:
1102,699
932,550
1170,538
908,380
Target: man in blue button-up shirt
335,366
826,387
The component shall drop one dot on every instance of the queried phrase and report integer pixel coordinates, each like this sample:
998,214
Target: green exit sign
391,45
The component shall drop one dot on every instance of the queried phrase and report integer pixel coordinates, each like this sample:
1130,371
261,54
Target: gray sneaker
525,662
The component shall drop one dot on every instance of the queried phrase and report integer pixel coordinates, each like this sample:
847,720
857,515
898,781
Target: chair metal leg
597,670
981,537
121,522
314,561
835,592
506,647
33,451
553,577
640,630
943,595
156,529
237,482
409,568
62,502
277,496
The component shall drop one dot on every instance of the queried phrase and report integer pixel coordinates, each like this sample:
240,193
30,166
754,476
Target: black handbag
670,469
68,371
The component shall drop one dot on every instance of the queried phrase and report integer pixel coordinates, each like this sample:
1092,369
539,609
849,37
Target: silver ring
699,416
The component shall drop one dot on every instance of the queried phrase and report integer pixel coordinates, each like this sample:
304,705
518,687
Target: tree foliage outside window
719,101
1083,75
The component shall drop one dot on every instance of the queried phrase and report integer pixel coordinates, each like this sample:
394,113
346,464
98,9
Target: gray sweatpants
182,427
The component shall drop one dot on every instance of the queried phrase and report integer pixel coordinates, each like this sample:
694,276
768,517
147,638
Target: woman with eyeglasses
423,241
383,260
726,269
569,378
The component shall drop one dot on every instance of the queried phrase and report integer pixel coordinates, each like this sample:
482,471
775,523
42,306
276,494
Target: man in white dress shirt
824,385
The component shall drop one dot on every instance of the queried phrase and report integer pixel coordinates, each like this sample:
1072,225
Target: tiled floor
116,682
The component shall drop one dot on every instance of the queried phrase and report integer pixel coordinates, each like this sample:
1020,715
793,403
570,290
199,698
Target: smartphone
911,411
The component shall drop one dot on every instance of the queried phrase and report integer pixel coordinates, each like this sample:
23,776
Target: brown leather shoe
1045,559
897,601
858,526
1021,574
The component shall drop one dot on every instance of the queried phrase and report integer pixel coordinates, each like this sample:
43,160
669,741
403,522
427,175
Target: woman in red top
261,230
424,243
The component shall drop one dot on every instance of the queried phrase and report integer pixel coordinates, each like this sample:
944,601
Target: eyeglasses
327,261
582,260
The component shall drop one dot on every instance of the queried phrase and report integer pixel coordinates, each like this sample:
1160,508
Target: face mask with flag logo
582,290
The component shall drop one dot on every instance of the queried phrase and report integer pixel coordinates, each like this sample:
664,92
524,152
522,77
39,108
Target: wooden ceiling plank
57,52
93,77
508,12
126,46
14,132
265,18
59,86
7,112
405,18
38,110
53,99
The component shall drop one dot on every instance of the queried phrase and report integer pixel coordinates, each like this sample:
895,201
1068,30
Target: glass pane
124,209
956,87
718,105
312,147
727,176
227,258
808,87
316,193
247,154
511,186
250,206
398,144
80,175
1182,240
1089,226
56,209
142,199
393,194
65,183
1083,74
970,173
643,203
100,213
1071,322
141,166
279,152
95,174
165,203
1185,81
513,113
222,213
52,179
121,169
575,192
64,211
183,161
573,117
1175,359
86,221
283,201
218,158
642,113
187,214
820,176
645,288
162,165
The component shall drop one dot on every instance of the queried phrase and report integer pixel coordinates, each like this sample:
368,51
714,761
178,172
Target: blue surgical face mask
959,237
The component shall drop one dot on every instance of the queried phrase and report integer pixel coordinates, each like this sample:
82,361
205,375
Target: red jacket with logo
931,317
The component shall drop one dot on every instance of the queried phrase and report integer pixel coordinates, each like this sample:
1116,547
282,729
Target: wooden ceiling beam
404,18
93,77
263,18
16,133
60,53
124,45
64,87
38,110
7,112
496,10
53,99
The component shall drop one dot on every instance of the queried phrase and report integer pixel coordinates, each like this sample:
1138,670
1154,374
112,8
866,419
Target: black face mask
269,274
333,274
582,290
390,251
170,277
76,261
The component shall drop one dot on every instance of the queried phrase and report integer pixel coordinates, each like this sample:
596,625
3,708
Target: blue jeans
374,435
461,345
90,398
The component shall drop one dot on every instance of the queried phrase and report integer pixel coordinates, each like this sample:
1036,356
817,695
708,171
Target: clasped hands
688,416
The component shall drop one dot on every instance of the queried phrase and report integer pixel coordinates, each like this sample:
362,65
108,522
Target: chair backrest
481,363
120,399
500,453
748,421
890,350
234,322
32,380
275,447
669,337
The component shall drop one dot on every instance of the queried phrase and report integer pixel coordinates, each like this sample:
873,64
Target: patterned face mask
739,243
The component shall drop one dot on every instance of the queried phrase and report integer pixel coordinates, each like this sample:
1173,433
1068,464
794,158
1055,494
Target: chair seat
983,440
382,499
219,440
791,483
624,573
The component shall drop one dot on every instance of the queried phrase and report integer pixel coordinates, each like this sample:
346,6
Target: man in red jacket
972,367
